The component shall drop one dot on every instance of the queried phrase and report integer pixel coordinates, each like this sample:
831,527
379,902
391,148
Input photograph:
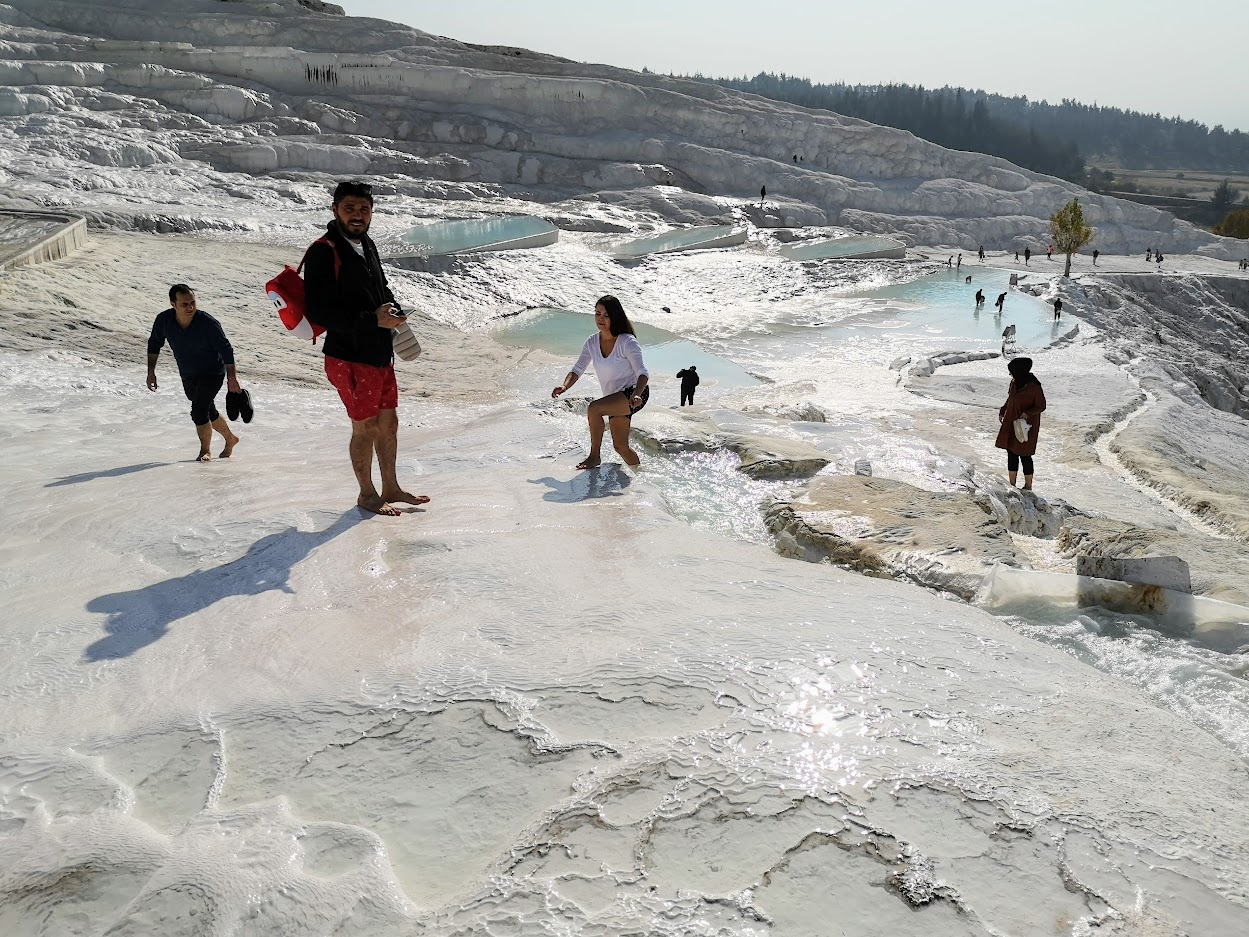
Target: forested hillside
1055,139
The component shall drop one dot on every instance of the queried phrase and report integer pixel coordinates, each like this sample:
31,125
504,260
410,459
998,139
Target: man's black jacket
346,305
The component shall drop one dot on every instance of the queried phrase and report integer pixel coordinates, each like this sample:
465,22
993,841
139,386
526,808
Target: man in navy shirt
205,359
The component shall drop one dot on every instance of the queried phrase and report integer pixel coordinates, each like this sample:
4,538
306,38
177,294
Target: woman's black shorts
628,392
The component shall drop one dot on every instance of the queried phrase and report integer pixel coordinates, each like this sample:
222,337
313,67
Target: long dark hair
618,322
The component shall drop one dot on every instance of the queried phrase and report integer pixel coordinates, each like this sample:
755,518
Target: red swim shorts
365,390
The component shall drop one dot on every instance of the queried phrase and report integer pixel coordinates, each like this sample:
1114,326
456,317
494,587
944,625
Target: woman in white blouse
617,358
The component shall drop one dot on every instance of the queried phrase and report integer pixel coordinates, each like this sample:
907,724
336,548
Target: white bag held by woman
1022,427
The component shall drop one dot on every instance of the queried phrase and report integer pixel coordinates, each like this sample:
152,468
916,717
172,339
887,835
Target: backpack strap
338,264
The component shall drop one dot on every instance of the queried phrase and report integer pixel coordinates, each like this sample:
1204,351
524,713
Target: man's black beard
342,229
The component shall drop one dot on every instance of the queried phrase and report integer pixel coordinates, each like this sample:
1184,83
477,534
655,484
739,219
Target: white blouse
619,370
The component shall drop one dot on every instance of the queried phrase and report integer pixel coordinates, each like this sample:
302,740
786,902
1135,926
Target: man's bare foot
231,442
589,462
633,462
375,505
204,456
404,497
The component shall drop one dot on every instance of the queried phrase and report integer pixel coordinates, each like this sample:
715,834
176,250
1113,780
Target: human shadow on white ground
104,473
142,616
603,481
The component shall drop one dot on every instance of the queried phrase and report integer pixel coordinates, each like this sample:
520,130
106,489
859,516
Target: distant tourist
795,157
949,261
1020,417
205,359
982,253
1096,254
1001,301
1058,308
979,298
1016,256
348,296
689,382
959,265
1008,338
1149,254
1027,255
617,358
967,279
763,193
1049,252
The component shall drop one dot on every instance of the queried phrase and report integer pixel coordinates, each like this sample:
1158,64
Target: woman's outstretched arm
583,362
569,379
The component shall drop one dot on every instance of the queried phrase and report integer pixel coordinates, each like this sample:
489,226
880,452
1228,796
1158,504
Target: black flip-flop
232,404
245,405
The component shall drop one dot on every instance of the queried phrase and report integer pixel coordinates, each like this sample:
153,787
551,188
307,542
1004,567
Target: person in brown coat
1026,399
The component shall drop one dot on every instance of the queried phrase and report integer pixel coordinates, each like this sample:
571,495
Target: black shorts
628,392
202,390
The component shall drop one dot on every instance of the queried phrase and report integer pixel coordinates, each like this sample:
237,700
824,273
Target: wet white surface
545,702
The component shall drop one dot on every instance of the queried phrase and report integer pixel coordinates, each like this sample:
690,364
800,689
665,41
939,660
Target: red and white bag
286,292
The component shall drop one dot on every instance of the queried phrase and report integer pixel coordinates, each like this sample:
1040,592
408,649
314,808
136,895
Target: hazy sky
1189,59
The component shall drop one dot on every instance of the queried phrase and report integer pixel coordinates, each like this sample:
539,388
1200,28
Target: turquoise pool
563,333
845,248
941,308
477,234
685,239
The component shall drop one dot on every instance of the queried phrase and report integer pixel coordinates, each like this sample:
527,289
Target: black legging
202,391
687,397
1012,463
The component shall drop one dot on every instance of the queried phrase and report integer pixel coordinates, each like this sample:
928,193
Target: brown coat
1027,403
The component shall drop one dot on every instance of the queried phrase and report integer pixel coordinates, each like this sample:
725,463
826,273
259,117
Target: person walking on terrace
205,359
1001,301
1020,417
1058,309
617,358
346,293
689,382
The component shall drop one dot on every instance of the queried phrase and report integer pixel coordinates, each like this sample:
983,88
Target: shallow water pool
942,306
563,333
681,240
932,314
845,248
477,234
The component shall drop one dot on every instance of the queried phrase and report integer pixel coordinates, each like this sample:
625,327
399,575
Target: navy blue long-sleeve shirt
200,349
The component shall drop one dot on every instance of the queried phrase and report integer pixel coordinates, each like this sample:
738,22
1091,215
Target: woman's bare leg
612,405
620,427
